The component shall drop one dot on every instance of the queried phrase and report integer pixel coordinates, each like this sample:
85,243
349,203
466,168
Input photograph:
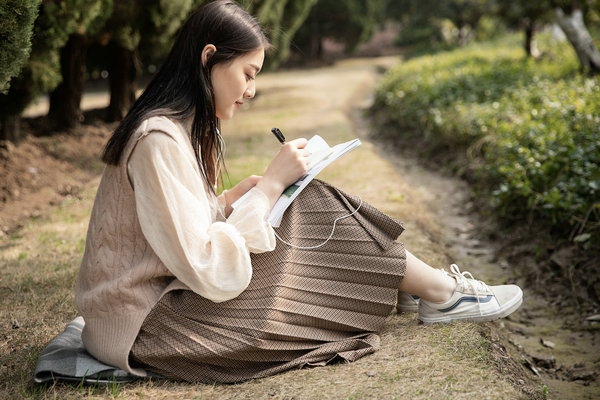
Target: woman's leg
424,281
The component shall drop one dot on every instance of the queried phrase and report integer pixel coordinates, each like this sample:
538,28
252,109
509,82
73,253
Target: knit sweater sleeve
174,210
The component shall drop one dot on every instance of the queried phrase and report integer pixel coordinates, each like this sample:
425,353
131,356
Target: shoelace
465,277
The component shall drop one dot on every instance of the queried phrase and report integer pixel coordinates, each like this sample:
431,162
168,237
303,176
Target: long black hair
182,88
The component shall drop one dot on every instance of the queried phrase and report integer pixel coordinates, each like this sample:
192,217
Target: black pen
278,135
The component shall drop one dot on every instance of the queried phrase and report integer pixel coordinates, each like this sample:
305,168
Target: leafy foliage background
526,132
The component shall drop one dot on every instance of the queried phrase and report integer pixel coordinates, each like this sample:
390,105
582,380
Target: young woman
176,281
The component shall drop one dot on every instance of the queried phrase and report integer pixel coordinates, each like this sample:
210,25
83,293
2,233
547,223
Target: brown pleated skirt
302,307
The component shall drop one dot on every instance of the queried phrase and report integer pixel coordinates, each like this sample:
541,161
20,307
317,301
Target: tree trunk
318,48
529,31
10,128
123,75
65,100
578,35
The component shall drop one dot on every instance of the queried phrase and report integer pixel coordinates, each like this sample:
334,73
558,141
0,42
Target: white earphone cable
330,236
219,155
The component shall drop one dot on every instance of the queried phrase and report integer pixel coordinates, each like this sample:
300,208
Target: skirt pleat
303,306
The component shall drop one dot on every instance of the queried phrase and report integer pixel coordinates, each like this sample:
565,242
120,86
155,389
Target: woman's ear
207,53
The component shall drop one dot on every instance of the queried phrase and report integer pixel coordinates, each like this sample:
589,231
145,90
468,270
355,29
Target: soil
43,171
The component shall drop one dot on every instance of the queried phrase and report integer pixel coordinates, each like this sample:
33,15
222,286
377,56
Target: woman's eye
249,77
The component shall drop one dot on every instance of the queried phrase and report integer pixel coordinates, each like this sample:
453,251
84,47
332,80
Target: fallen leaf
547,343
592,320
530,365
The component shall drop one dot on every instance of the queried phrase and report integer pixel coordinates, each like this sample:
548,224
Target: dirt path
551,339
39,260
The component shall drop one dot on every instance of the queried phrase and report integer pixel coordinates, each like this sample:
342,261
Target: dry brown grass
38,266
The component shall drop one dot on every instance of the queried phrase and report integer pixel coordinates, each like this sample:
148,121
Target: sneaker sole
510,308
407,309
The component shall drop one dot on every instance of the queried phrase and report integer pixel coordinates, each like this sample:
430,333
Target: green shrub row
527,131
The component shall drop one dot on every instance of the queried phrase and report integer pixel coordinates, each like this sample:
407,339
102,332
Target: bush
18,17
527,131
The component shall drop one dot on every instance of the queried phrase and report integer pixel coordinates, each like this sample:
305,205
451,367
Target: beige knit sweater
154,228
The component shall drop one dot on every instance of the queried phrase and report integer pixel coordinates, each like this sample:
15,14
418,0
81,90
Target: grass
462,361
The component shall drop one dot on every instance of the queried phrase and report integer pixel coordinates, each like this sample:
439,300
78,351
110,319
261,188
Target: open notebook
321,155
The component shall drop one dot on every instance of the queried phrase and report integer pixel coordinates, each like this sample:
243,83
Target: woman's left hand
238,191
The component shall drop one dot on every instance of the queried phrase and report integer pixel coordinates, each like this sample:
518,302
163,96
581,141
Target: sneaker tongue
471,286
466,283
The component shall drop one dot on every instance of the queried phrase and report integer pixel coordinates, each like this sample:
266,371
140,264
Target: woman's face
234,82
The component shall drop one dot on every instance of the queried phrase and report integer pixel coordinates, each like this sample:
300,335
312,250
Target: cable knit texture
155,228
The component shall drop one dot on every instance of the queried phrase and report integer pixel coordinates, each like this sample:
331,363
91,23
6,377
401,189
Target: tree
65,100
134,23
281,19
350,22
452,21
570,17
526,15
465,15
18,17
144,30
64,29
55,22
416,20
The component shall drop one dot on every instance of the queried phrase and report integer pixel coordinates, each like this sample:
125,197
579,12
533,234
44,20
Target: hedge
527,131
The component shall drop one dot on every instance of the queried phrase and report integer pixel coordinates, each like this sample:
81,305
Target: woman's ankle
442,292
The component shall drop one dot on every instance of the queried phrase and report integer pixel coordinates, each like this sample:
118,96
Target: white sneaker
472,300
407,303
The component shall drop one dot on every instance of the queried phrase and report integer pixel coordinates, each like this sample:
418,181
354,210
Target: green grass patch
525,131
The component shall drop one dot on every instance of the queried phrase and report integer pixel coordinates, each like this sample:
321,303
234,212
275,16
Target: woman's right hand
289,165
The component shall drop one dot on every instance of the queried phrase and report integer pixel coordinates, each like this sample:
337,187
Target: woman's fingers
240,189
251,181
299,143
246,184
299,154
289,165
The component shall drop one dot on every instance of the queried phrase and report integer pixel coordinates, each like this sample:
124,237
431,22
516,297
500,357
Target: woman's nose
251,90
